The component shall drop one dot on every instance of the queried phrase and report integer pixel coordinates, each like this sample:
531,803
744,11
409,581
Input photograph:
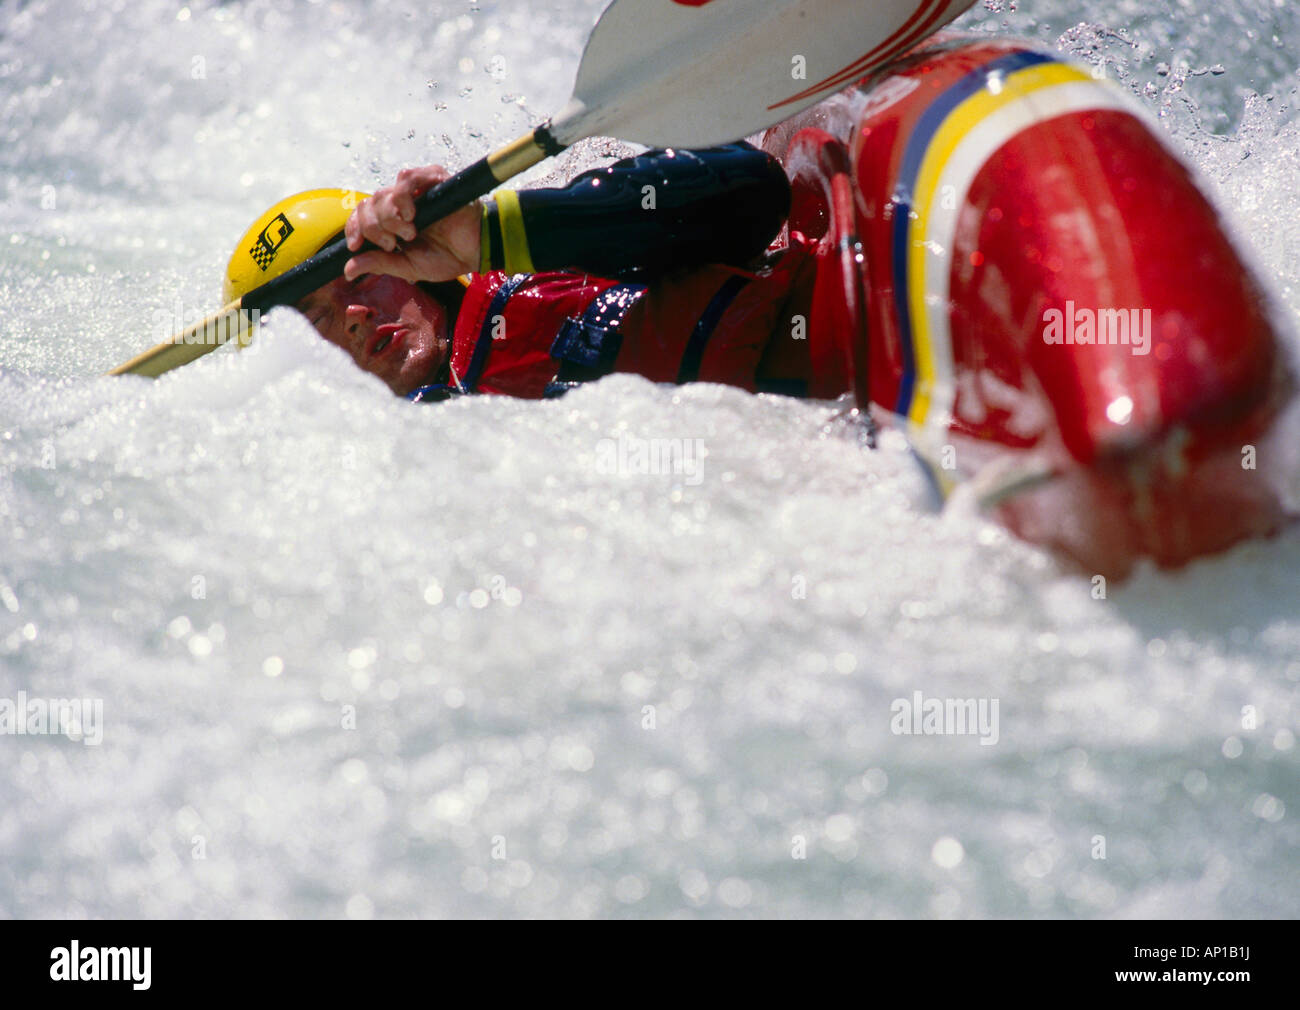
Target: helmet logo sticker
269,241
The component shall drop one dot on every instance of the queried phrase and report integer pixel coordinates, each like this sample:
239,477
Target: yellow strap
518,259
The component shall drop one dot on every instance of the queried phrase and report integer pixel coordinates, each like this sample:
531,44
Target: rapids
359,657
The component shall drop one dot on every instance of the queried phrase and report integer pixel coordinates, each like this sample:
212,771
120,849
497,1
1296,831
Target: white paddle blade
694,73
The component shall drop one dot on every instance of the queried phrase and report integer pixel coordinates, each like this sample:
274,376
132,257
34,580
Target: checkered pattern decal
270,240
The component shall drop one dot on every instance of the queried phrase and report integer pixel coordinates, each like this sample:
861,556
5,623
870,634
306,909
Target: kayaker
642,266
983,242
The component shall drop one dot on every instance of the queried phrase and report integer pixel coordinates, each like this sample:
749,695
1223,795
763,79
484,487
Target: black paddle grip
292,286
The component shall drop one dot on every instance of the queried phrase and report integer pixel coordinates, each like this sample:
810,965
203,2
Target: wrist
503,237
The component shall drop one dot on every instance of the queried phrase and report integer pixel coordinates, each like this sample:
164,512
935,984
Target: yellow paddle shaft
231,323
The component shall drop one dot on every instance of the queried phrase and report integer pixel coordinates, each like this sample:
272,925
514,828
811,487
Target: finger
376,262
405,192
413,183
423,179
352,228
389,207
362,226
373,229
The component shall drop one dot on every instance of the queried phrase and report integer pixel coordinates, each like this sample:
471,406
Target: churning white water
357,657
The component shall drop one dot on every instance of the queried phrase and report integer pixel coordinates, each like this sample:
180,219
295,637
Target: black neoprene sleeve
642,217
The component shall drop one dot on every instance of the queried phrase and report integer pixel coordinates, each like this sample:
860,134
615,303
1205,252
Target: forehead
377,290
324,294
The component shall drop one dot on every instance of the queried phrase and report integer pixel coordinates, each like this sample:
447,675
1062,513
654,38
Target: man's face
389,326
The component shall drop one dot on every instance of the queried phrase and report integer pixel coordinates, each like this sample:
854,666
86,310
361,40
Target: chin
419,368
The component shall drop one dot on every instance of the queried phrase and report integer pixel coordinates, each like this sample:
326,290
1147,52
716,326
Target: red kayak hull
1047,291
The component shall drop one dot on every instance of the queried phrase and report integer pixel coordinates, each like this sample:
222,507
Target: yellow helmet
294,230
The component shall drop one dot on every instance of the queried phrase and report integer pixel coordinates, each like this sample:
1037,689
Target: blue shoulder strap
587,346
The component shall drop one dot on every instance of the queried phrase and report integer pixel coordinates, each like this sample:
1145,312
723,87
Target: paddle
684,73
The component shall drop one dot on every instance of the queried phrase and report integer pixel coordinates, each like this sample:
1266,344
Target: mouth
387,338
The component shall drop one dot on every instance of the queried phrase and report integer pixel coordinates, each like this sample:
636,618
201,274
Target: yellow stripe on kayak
959,124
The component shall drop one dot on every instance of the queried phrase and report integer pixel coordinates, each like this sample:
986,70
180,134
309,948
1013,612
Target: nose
355,318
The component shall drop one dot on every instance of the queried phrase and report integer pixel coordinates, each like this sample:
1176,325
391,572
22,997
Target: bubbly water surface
363,658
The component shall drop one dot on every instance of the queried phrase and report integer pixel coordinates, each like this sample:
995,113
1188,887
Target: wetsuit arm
644,216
